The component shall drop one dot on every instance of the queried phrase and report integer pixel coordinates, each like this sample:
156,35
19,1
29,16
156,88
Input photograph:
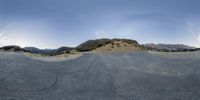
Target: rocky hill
109,45
34,50
11,48
50,52
119,45
105,45
93,44
169,47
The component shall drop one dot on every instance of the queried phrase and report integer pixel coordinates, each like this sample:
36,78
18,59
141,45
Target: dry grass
117,46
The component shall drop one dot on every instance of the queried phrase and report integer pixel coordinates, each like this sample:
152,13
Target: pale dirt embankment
57,58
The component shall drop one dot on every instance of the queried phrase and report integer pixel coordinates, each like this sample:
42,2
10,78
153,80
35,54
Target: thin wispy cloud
4,39
65,22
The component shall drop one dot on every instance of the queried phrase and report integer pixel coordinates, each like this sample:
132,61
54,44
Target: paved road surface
116,76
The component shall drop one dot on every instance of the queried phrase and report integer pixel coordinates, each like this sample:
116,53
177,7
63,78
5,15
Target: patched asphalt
114,76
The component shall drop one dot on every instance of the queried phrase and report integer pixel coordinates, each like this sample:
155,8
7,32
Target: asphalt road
116,76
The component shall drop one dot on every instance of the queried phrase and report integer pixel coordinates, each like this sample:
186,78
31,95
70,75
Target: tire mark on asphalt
57,78
50,86
83,69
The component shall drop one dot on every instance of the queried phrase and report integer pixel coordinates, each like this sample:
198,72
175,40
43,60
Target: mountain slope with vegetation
50,52
104,45
119,45
108,45
170,47
93,44
11,48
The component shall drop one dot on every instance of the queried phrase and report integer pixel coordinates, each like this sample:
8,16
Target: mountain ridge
104,45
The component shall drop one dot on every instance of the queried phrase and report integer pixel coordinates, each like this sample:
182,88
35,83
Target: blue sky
55,23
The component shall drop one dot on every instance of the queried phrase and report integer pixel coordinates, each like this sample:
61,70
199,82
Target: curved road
115,76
